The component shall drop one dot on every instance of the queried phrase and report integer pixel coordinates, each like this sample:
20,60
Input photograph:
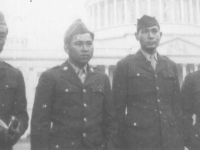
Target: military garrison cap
146,21
2,19
78,27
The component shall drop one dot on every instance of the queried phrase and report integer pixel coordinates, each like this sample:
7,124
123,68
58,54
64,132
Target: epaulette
165,57
129,55
96,68
56,67
7,64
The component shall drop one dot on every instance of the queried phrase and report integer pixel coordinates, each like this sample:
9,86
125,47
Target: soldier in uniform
12,99
191,110
73,107
146,94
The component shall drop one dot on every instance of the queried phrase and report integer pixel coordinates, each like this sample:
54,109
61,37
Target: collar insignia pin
65,68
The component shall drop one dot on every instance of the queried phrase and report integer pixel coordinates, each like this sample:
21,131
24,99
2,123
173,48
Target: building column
148,7
125,12
88,16
107,70
92,20
28,78
26,74
182,12
160,11
98,15
198,12
115,12
196,67
191,11
137,9
106,13
184,70
173,11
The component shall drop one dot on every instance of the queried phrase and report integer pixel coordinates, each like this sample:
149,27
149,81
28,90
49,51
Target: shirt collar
148,55
76,69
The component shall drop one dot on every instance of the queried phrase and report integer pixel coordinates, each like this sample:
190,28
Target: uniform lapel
92,76
68,73
161,64
143,62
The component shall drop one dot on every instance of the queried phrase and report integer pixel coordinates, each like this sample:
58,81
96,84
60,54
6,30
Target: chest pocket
7,92
98,94
98,89
140,81
66,93
169,79
67,89
8,85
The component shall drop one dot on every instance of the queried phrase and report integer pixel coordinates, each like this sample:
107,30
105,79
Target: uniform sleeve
176,104
41,115
176,97
120,96
187,107
20,105
110,127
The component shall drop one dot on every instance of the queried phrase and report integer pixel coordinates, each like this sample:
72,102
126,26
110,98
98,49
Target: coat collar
144,63
161,64
68,73
2,69
148,55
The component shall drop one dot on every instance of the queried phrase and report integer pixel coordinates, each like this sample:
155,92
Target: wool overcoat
191,110
147,103
12,100
70,115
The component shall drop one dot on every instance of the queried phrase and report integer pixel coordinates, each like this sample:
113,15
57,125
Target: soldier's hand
11,135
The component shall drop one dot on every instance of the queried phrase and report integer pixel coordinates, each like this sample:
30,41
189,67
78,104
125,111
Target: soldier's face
80,49
149,38
3,33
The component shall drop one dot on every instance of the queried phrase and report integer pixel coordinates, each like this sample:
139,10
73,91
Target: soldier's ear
160,34
136,36
66,48
7,31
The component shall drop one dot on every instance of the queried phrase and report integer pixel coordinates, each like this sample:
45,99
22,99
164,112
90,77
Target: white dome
108,13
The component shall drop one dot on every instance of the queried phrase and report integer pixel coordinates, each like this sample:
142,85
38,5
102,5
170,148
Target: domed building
114,25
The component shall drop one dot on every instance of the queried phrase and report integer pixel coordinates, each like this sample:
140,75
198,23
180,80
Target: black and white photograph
99,74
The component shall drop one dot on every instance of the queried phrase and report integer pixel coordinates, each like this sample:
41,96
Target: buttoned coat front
70,115
147,102
12,100
191,110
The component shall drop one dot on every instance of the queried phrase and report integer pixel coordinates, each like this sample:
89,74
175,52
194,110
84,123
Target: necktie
82,75
153,61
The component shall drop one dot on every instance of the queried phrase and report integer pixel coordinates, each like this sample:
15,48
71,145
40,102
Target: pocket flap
8,85
140,123
138,73
98,88
168,74
67,88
